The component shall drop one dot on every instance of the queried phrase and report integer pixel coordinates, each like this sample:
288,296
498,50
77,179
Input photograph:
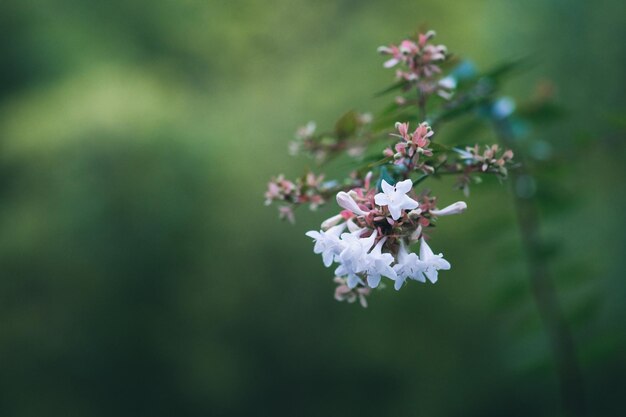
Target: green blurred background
141,274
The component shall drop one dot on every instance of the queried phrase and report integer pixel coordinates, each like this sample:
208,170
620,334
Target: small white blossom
352,257
456,208
327,243
448,82
377,264
433,263
395,198
408,265
464,154
346,201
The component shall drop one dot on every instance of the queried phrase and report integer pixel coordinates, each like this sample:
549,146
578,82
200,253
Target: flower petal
353,281
456,208
346,201
381,199
386,187
373,280
404,186
399,283
425,251
395,211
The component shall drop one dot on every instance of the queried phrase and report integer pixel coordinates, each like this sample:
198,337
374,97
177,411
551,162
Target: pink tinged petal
347,202
404,186
456,208
346,214
387,188
402,128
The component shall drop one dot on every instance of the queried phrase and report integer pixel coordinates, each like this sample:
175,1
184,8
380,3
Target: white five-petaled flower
327,243
352,257
408,265
432,262
377,264
395,198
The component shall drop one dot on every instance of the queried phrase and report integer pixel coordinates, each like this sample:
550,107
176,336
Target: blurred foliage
141,274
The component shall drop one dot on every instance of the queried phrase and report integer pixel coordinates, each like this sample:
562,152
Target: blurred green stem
542,285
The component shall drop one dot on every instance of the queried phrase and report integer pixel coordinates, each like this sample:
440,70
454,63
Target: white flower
408,265
456,208
464,154
378,264
346,201
352,257
432,262
448,82
327,243
395,198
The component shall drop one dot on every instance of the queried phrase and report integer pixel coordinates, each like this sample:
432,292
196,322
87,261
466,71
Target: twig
543,288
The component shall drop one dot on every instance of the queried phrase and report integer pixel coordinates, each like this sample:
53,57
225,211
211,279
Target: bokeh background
141,274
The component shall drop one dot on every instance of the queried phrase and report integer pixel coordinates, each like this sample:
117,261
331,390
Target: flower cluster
411,146
308,190
368,239
491,160
420,62
382,216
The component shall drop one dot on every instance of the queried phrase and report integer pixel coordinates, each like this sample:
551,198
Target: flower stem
543,288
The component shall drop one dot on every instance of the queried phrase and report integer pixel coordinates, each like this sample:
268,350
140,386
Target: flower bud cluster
473,161
411,146
308,190
420,64
490,160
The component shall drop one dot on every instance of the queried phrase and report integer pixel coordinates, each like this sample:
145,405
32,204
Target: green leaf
393,87
505,68
438,147
347,124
